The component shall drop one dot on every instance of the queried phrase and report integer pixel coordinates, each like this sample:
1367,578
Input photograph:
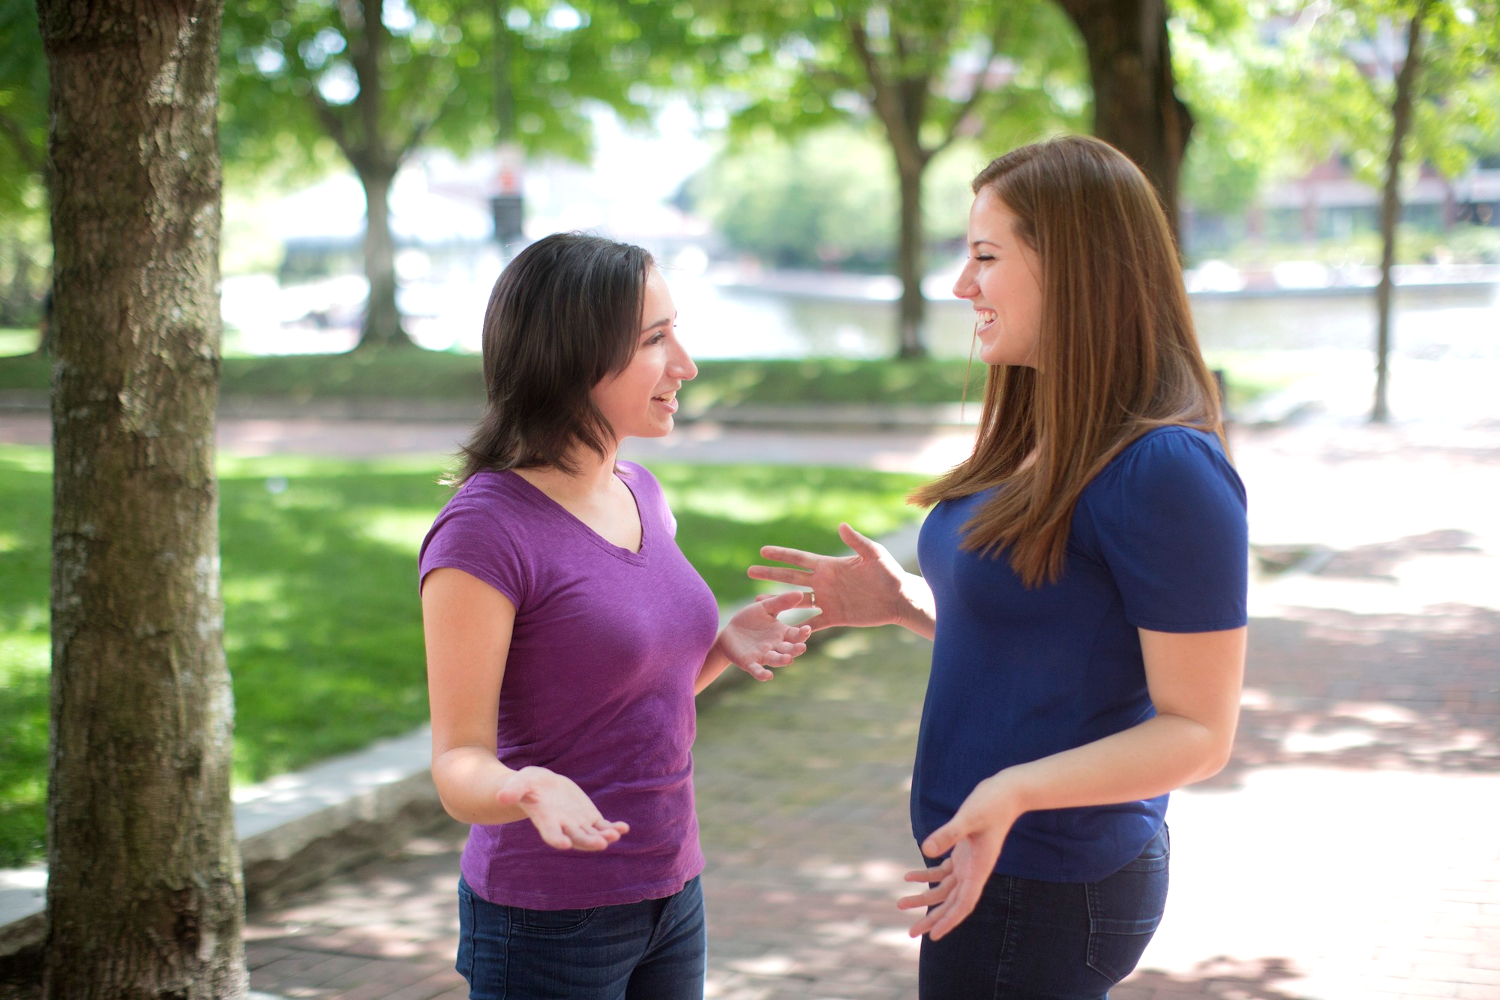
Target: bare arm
467,626
1194,680
866,588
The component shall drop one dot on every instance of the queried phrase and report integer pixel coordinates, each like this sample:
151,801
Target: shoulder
636,473
491,504
1169,458
642,483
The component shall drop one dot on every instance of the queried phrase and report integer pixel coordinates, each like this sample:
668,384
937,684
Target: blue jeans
1029,940
656,949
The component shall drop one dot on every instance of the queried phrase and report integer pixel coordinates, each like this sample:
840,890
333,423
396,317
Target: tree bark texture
376,161
913,308
1390,209
382,326
145,896
1136,108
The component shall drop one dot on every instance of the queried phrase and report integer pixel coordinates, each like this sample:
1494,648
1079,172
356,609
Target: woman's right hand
866,588
561,812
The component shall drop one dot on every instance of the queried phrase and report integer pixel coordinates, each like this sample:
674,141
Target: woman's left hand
756,639
974,835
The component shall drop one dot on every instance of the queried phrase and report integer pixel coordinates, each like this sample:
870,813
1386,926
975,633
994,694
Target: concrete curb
298,829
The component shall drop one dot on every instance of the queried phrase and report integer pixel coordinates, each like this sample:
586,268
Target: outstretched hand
859,589
975,835
561,812
756,639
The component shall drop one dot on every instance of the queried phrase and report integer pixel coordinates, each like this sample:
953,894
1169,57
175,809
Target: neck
594,473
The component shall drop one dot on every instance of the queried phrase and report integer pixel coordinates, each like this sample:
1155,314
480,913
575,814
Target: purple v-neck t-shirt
598,686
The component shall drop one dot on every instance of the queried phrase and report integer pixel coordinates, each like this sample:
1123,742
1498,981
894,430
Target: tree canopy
923,74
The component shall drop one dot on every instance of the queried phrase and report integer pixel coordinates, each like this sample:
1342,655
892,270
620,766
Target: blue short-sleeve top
1158,541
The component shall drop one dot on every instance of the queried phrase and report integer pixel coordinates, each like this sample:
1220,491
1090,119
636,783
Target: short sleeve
470,537
1169,522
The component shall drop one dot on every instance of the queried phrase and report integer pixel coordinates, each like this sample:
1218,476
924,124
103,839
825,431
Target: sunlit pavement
1350,850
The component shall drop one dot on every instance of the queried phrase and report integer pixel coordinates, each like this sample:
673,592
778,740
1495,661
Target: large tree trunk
1136,108
382,327
913,312
1390,209
144,898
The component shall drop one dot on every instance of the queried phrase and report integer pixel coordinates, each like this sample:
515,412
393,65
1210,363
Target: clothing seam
561,515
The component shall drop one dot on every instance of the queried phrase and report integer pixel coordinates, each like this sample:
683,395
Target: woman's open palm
859,589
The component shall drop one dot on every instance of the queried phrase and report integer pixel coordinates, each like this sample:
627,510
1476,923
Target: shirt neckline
562,514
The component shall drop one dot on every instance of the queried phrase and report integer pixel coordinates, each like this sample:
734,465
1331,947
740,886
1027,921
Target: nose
682,366
963,285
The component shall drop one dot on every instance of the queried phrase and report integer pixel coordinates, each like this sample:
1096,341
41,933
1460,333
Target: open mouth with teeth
985,318
667,399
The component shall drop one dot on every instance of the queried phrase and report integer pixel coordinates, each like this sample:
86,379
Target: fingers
796,557
933,874
941,840
757,671
779,574
931,897
958,906
582,837
515,790
777,603
552,833
859,543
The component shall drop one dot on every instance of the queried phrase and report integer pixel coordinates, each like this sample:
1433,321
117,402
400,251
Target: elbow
1216,756
444,796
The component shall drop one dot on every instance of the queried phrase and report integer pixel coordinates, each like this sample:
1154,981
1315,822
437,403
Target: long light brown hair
1116,354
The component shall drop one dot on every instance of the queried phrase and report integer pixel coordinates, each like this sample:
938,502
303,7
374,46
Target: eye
656,338
983,256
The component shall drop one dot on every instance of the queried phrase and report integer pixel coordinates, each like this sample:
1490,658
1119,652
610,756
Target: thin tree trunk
913,310
145,896
1390,208
1136,108
382,326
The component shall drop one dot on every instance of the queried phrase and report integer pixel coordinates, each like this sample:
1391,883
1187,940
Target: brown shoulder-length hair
1116,354
564,315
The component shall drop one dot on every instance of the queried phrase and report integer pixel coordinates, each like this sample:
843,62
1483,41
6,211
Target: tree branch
331,122
887,101
996,39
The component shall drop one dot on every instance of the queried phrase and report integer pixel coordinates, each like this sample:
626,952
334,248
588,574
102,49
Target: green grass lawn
323,628
17,341
419,374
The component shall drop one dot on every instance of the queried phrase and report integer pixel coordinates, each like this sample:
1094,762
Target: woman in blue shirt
1083,582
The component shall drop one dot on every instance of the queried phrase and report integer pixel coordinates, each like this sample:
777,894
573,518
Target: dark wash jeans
1029,940
652,950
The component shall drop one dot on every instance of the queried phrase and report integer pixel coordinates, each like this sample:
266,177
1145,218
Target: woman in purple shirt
566,639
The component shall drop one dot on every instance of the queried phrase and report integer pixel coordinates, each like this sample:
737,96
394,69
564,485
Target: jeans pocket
464,963
553,921
1125,910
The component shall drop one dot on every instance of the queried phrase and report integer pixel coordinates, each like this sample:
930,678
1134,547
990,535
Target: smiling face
1003,280
639,400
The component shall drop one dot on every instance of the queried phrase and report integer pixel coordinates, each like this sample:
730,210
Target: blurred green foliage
828,199
434,375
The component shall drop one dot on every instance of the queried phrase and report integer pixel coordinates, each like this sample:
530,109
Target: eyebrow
660,322
975,243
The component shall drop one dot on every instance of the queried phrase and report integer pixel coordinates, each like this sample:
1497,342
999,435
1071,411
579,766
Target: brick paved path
1350,851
